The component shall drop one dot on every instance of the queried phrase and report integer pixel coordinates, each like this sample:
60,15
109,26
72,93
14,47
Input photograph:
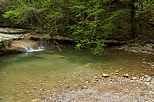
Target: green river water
32,75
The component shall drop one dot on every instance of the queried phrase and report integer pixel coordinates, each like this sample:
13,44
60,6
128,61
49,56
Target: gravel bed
118,89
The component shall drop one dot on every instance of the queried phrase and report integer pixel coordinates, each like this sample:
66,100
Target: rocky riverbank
146,48
18,40
107,89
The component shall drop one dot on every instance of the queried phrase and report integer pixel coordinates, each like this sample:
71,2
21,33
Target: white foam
30,49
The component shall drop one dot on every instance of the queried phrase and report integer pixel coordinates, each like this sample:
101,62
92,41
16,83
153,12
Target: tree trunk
133,21
96,15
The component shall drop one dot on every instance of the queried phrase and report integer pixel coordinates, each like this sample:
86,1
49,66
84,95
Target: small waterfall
33,49
39,47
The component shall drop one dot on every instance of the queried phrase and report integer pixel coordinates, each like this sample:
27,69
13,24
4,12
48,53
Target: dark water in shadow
26,76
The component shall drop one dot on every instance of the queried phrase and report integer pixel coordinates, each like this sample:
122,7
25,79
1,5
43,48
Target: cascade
33,49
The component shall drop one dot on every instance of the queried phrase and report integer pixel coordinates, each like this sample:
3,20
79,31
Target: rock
88,65
141,78
105,75
134,78
61,56
35,88
116,71
34,100
152,80
85,87
86,82
148,79
94,81
10,36
26,92
146,76
126,75
121,68
1,97
23,82
95,77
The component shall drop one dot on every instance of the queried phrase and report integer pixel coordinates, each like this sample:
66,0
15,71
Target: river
26,76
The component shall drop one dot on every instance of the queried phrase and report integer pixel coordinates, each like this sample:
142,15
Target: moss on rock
35,38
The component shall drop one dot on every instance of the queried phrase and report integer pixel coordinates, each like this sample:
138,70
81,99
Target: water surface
27,76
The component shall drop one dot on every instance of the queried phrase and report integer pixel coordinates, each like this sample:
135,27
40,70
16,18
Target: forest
88,22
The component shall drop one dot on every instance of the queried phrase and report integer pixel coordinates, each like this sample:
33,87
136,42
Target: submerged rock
88,65
34,100
1,97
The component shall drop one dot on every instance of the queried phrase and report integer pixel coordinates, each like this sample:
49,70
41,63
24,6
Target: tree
89,22
26,14
145,17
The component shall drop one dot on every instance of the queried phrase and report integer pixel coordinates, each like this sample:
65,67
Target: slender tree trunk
55,25
96,15
133,21
35,13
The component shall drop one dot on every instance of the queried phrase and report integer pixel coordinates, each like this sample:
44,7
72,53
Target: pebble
85,87
34,100
96,79
34,87
105,75
126,75
86,82
1,97
95,76
26,92
148,79
134,78
141,78
116,71
23,82
146,76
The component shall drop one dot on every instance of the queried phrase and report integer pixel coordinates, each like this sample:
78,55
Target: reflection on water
28,75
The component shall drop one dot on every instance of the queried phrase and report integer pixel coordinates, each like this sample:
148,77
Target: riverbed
28,77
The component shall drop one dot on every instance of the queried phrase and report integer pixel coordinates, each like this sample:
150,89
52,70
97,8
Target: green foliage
4,43
145,10
89,22
47,36
145,17
24,14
